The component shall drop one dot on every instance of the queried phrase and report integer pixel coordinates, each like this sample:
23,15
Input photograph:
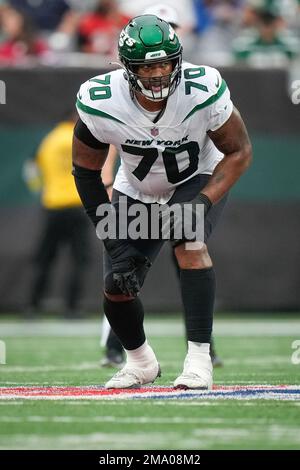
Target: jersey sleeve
221,105
88,113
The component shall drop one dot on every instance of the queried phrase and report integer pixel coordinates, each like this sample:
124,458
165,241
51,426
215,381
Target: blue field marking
266,393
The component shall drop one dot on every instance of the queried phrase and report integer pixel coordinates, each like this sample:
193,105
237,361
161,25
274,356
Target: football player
181,141
114,352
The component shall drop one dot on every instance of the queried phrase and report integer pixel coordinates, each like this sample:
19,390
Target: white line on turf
172,327
110,419
143,403
266,360
271,433
36,384
132,420
249,361
87,441
68,384
52,368
17,402
206,437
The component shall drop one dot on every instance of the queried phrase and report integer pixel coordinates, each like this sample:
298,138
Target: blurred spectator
204,15
55,20
268,43
184,9
287,9
217,25
19,42
166,12
99,29
65,225
46,15
82,6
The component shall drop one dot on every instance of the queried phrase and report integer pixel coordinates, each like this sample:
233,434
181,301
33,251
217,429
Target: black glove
128,264
202,199
176,225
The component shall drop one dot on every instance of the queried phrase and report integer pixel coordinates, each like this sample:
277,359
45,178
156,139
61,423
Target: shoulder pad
96,95
202,81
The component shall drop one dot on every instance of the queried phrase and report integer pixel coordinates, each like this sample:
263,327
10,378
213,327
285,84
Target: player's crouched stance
180,140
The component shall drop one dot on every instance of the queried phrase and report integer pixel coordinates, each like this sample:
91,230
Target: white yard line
132,420
238,361
249,361
111,419
196,438
52,368
143,404
173,327
267,433
97,441
68,384
15,402
36,384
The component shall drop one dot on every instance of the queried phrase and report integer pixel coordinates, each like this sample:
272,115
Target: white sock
140,356
194,349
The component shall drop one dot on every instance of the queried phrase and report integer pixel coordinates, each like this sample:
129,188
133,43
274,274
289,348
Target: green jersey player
180,141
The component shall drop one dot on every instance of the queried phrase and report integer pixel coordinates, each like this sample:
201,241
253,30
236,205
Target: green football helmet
148,39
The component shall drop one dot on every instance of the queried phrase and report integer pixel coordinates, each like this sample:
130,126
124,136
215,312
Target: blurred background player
64,222
266,42
113,349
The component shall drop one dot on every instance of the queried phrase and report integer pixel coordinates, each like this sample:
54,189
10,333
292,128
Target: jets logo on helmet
155,55
148,39
126,39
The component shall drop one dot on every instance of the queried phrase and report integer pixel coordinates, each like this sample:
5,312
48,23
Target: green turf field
58,353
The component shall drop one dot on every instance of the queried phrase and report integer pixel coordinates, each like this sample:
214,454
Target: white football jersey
155,158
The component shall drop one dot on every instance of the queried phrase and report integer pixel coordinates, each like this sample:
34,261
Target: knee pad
112,288
110,285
